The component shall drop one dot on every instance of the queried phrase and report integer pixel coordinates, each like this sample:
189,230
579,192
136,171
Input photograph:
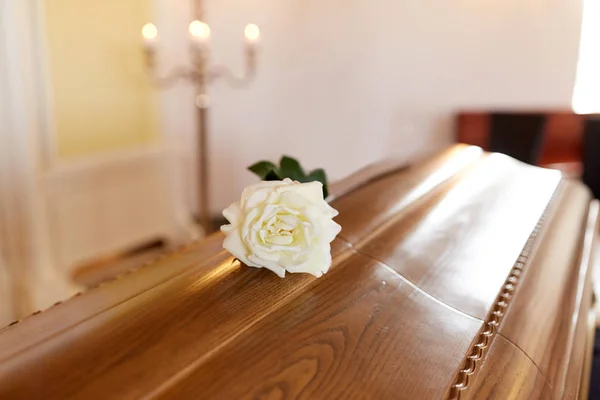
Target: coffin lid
462,276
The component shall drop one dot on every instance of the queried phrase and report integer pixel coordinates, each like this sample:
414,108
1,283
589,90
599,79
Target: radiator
105,205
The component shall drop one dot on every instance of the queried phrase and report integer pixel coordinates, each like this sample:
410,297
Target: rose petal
282,225
233,244
330,211
273,266
250,190
330,231
312,191
278,248
248,221
317,263
227,229
315,217
263,254
294,201
256,198
288,219
258,223
279,239
233,213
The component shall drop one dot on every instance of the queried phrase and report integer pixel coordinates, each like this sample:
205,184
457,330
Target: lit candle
252,34
149,36
199,33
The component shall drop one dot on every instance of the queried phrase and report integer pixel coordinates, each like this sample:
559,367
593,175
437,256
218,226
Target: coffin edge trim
492,322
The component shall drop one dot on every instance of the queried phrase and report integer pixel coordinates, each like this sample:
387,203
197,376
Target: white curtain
28,279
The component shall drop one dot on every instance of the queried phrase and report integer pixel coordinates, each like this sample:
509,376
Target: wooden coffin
464,276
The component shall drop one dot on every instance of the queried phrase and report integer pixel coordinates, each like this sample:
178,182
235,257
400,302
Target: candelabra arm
235,81
179,73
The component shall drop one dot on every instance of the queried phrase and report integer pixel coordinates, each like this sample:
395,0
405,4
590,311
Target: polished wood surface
561,267
508,373
464,276
437,246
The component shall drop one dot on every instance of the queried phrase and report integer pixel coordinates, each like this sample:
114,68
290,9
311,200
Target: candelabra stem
202,104
203,171
201,75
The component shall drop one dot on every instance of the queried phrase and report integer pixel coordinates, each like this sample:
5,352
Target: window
586,93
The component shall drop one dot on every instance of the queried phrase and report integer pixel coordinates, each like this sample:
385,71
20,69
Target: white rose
282,226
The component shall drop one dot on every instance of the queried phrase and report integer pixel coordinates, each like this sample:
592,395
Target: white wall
342,83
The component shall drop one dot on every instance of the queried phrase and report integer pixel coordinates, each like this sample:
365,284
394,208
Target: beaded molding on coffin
179,250
492,322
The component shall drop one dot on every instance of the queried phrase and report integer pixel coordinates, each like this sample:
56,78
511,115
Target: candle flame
149,31
252,32
199,29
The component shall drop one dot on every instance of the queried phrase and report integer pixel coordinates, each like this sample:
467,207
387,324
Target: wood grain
582,349
423,254
362,331
184,318
63,315
362,211
554,292
508,373
445,247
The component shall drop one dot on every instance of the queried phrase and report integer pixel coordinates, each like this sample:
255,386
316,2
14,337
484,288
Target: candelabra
201,74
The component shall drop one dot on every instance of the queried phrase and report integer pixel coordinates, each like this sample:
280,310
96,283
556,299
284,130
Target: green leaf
264,169
290,168
319,175
272,176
